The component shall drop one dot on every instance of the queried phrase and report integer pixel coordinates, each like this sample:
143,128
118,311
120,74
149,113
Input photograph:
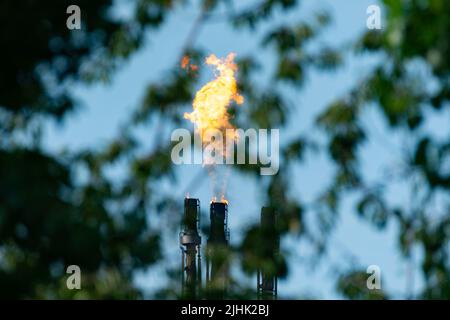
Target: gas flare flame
187,65
184,62
210,109
222,200
212,100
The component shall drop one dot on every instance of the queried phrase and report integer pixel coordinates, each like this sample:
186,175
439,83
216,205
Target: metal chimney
267,280
219,233
190,242
217,251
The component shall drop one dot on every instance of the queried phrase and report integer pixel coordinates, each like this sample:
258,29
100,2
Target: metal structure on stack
267,280
217,267
190,242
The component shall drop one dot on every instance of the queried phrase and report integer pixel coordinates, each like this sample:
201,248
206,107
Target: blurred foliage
353,286
405,98
50,218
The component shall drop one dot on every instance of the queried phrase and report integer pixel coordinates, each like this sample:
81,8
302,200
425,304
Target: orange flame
186,64
211,101
222,199
210,108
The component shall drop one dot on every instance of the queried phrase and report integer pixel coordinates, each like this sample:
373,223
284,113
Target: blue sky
107,106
